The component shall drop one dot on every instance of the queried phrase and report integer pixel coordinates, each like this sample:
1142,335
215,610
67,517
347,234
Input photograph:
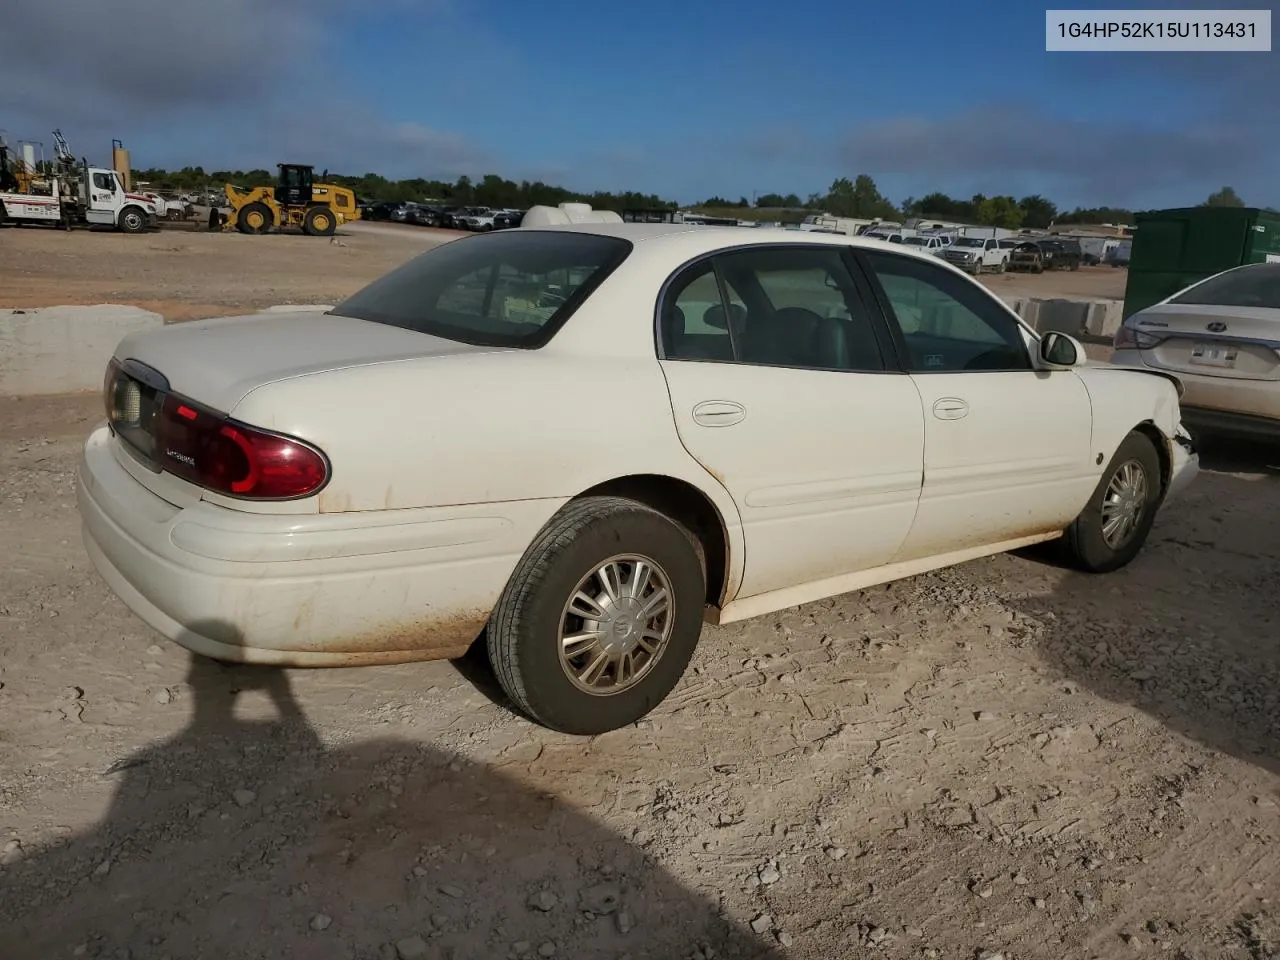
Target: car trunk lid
1241,343
217,362
212,365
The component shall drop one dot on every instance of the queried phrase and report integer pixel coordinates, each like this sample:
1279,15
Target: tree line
858,197
490,190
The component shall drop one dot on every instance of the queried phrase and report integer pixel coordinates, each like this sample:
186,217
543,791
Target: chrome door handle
719,413
950,408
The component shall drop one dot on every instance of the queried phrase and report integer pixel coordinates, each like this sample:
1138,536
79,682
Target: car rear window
1256,285
512,289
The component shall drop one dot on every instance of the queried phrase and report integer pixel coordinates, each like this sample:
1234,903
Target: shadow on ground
1190,631
245,838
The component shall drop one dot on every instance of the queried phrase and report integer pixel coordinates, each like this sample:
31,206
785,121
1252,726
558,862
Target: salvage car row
474,218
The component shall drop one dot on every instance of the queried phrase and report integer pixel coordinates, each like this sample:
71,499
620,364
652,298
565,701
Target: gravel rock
543,900
769,874
11,853
547,949
835,853
877,935
449,890
244,797
411,948
624,922
784,938
762,923
601,899
321,921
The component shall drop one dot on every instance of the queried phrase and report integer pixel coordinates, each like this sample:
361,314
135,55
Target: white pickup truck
929,243
976,254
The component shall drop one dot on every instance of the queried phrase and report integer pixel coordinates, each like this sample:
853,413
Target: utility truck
71,193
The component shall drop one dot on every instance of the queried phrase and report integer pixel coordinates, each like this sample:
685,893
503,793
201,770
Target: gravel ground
183,272
999,760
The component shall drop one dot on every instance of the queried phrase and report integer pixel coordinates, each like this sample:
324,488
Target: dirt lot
185,273
999,760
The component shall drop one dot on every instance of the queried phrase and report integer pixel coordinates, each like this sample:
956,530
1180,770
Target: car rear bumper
300,590
1220,404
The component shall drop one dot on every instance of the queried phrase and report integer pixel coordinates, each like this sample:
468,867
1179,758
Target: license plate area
1220,355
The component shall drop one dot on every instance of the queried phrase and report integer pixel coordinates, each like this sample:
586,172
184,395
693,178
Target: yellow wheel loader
295,201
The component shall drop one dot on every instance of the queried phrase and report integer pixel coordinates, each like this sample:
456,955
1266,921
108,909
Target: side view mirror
1060,350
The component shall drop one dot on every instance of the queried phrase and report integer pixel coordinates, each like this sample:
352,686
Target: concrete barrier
1085,319
63,349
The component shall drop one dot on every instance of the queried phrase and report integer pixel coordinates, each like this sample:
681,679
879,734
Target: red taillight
233,458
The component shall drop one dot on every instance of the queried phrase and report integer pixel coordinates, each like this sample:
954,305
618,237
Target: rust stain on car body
442,637
446,636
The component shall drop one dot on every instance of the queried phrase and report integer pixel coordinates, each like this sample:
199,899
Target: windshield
1257,285
500,289
916,241
119,182
969,242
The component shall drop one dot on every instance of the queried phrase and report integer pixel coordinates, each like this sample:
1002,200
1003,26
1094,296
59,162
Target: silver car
1221,337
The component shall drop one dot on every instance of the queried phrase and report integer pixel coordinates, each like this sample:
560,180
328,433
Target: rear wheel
254,218
319,222
600,618
1113,527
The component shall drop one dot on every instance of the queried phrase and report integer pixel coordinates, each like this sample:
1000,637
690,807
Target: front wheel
1113,527
319,222
600,617
132,220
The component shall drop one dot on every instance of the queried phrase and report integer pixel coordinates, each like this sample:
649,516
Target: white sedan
580,441
1221,337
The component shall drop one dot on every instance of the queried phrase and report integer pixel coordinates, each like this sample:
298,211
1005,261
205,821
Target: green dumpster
1173,249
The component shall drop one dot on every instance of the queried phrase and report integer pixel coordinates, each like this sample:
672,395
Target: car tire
544,677
1131,486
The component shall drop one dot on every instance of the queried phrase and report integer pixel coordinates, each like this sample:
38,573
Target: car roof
689,236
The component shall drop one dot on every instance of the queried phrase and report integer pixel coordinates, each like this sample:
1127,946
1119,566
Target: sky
674,97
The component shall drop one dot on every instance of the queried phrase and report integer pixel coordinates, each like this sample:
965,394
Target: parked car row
978,254
454,217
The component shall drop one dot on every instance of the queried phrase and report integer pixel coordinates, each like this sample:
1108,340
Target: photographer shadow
252,837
